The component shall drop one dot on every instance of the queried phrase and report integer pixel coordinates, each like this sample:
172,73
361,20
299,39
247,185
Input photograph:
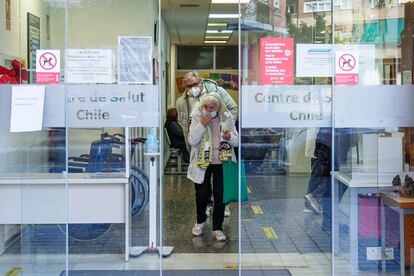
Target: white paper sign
135,59
89,66
27,108
286,106
314,60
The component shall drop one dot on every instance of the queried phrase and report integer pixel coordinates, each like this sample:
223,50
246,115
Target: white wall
13,43
100,25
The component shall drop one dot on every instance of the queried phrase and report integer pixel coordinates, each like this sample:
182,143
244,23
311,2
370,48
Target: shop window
200,57
194,57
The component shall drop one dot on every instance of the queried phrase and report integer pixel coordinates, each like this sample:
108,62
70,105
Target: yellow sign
257,210
15,271
270,233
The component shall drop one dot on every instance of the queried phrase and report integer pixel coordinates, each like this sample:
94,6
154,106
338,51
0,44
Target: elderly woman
212,135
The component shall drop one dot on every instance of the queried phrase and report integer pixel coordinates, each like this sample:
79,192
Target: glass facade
91,184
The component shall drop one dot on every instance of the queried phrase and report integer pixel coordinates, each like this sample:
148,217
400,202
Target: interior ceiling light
219,31
217,37
215,41
217,24
229,1
223,15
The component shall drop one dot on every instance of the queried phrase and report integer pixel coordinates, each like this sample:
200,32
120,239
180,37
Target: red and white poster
346,67
8,15
276,60
47,66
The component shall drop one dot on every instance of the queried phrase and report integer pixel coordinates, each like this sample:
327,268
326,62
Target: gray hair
189,75
212,97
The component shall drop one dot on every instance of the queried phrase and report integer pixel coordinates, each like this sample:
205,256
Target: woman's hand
205,119
226,135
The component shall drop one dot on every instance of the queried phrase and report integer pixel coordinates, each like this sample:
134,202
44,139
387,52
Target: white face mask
195,91
213,114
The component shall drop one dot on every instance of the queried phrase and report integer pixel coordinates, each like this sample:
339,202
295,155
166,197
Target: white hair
215,98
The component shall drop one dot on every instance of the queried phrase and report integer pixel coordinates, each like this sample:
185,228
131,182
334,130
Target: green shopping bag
230,182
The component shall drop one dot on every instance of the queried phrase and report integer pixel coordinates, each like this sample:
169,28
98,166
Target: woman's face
210,107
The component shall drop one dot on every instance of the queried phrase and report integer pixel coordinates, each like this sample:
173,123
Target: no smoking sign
47,66
346,67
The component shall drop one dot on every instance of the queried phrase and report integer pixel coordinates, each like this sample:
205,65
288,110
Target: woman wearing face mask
212,135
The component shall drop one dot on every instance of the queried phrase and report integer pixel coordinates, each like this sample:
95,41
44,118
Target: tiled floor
295,241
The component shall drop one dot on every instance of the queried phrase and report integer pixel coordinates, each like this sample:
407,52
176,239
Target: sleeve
196,132
229,102
176,129
234,135
182,111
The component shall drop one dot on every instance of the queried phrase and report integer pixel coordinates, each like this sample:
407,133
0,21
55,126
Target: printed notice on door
27,108
276,60
89,66
135,59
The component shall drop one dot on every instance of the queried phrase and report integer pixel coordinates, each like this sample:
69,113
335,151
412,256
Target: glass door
286,137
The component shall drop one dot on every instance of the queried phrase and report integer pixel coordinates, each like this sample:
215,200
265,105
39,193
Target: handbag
230,182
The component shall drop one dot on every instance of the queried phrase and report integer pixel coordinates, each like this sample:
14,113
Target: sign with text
286,106
89,66
27,108
276,60
112,106
47,66
346,67
135,59
314,60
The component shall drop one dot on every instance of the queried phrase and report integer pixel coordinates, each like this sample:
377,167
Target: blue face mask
213,114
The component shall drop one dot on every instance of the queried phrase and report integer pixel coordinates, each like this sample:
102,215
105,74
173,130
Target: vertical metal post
127,195
153,203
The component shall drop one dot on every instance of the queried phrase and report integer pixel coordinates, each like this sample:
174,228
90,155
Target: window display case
370,155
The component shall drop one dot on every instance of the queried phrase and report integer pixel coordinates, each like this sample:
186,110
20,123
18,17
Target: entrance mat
205,272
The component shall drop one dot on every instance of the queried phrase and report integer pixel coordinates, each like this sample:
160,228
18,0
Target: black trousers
320,180
203,193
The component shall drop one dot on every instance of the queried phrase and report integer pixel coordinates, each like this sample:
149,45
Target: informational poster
89,66
286,106
135,59
112,106
314,60
47,66
276,60
27,108
346,67
8,14
33,43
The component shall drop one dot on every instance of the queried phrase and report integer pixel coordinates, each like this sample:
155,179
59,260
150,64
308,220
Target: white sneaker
227,211
219,235
307,210
313,203
198,229
209,209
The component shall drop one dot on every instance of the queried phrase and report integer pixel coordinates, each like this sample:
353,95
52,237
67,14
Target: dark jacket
175,132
